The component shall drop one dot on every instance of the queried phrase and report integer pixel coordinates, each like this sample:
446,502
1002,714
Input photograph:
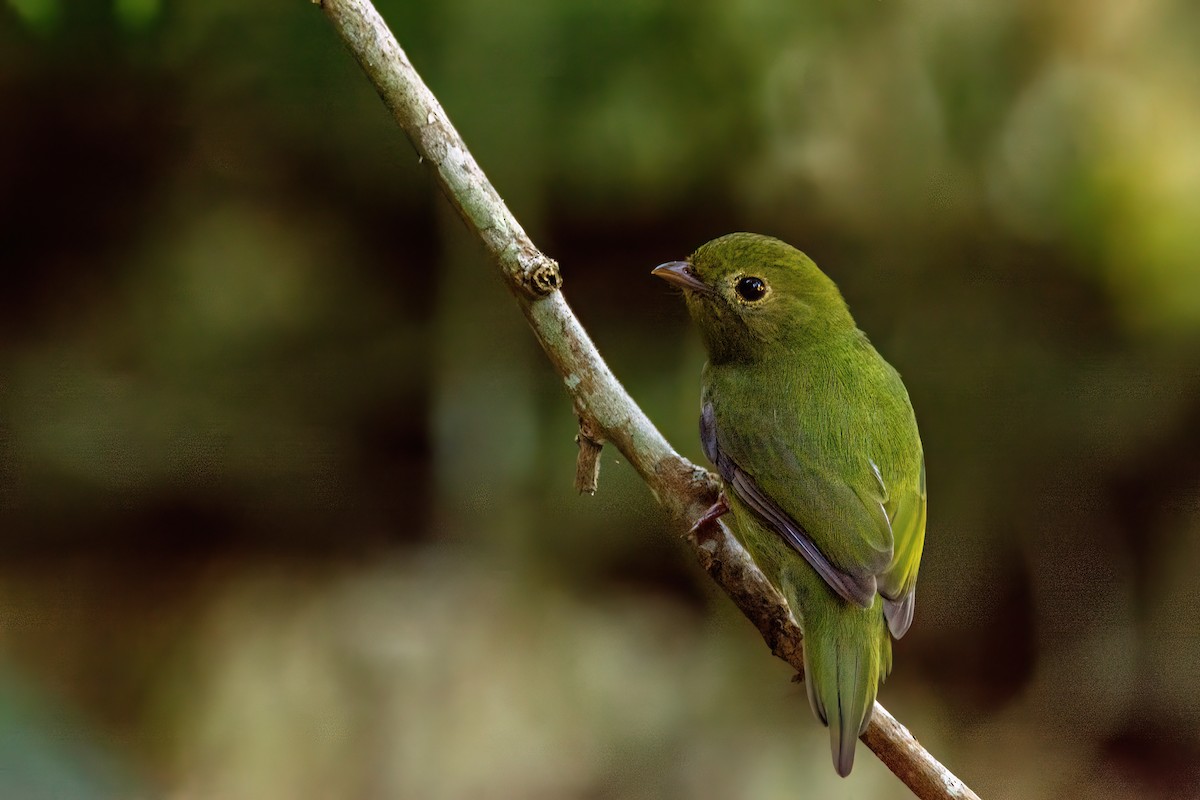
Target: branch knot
546,278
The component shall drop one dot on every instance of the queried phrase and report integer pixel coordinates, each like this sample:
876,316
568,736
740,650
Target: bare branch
912,763
607,413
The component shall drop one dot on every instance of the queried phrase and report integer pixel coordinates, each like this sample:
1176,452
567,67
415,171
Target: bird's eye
751,288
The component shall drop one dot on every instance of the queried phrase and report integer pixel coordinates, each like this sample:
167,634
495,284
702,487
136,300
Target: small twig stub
587,463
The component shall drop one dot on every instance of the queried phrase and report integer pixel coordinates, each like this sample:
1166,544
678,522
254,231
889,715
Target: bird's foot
715,512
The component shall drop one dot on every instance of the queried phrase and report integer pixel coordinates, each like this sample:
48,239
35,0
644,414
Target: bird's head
751,294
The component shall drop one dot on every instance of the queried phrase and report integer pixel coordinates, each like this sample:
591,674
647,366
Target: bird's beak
680,274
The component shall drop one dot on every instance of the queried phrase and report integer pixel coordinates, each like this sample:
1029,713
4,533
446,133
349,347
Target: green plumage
815,439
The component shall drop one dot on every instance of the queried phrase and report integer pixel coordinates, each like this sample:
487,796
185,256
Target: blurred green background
286,503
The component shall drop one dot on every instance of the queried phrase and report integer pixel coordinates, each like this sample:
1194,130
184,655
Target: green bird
815,440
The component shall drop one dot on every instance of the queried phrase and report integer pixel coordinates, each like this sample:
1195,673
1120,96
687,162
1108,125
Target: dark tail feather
856,701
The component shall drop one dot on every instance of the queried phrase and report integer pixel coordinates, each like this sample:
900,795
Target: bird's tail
847,653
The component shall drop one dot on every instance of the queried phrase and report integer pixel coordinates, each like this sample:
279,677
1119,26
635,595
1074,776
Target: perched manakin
816,444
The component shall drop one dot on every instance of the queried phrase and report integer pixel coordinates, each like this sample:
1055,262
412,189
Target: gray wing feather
899,613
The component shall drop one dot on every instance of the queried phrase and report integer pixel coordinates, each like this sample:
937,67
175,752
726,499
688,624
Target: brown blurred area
286,503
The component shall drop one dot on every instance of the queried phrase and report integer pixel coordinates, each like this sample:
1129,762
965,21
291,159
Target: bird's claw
714,512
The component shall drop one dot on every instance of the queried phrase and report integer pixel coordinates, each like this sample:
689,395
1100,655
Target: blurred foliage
285,486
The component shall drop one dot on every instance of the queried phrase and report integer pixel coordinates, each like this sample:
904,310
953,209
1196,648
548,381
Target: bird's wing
842,531
898,584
